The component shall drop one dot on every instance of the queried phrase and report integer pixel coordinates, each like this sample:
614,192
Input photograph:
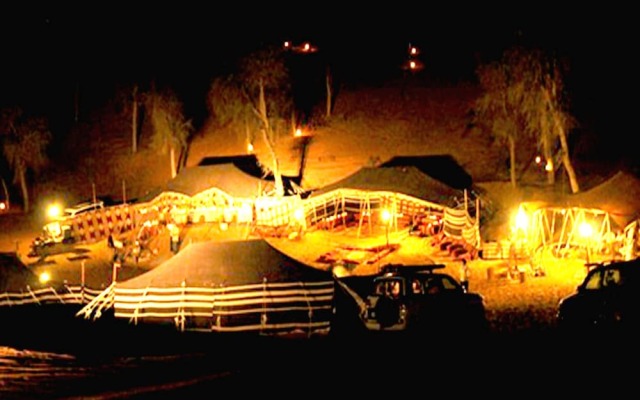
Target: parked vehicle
56,237
71,212
607,298
417,298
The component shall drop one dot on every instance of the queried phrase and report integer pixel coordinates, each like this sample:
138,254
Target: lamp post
386,217
586,231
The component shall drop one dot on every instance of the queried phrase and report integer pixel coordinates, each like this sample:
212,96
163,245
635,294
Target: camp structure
232,189
395,194
234,286
600,222
229,190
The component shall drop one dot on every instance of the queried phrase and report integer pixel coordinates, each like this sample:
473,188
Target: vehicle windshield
439,283
390,287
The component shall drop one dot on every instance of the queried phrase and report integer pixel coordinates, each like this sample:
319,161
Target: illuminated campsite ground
512,304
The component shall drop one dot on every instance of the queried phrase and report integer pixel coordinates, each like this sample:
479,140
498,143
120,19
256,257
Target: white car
71,212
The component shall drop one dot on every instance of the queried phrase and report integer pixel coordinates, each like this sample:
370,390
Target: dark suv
607,298
417,298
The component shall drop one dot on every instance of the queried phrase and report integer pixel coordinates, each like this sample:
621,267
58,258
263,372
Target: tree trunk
22,176
566,161
268,137
248,135
134,121
547,154
294,123
172,156
512,161
6,195
329,93
559,130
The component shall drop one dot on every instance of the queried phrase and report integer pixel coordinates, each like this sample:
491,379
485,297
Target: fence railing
65,295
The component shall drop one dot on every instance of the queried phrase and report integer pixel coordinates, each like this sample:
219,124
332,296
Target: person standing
464,274
174,238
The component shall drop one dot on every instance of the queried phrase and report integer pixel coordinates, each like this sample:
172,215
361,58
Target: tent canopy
226,177
619,196
250,165
408,180
215,264
442,167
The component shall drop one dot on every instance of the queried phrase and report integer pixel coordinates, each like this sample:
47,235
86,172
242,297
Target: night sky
48,50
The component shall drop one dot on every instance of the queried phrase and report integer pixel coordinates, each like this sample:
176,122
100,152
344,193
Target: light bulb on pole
386,218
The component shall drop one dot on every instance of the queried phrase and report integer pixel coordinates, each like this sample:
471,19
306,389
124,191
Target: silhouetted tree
496,109
171,130
259,95
24,143
523,99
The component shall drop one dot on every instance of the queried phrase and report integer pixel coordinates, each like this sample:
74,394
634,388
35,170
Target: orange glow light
413,65
549,166
305,47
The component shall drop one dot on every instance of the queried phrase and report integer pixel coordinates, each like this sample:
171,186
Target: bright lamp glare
522,220
585,229
386,215
45,277
54,211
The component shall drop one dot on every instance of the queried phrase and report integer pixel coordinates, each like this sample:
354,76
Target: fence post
82,277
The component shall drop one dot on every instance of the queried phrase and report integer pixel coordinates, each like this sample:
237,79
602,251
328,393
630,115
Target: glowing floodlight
521,220
45,277
586,230
386,216
299,214
54,211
